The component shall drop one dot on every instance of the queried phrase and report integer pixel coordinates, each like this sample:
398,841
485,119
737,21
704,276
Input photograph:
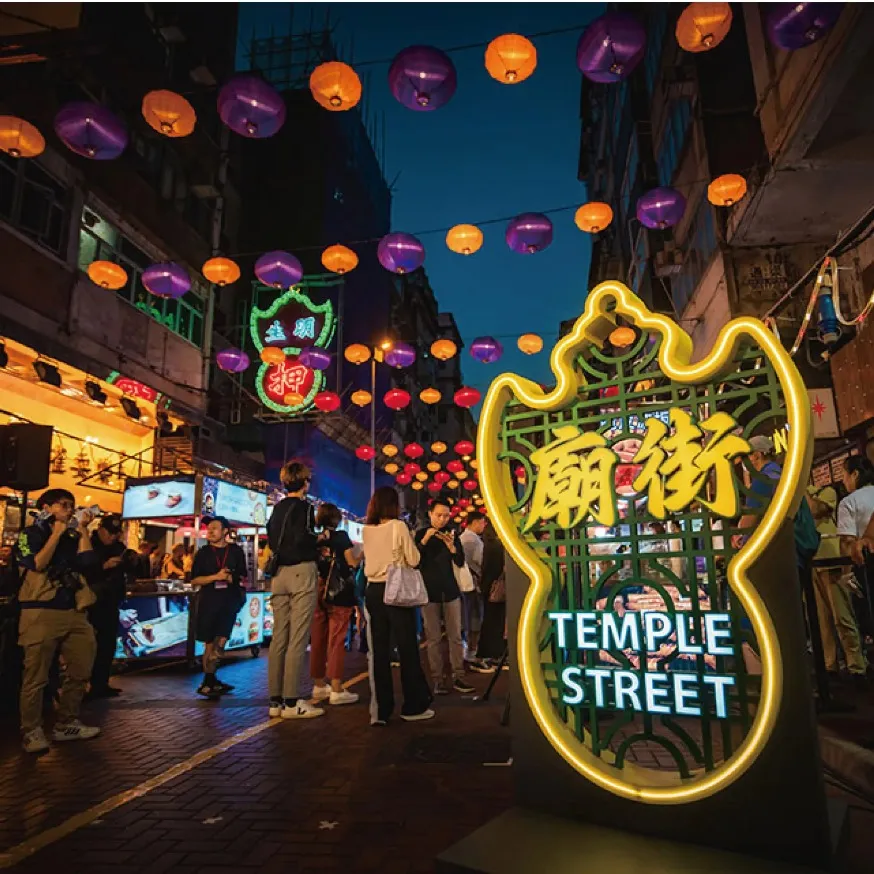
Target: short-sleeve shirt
34,538
334,549
210,560
855,511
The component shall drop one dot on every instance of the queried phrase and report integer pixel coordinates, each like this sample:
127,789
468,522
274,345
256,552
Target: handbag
338,584
404,586
464,578
498,591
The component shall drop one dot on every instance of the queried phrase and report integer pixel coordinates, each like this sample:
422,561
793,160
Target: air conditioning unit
669,262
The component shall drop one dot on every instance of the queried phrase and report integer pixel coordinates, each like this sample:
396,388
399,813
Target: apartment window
101,241
702,243
34,203
673,139
652,61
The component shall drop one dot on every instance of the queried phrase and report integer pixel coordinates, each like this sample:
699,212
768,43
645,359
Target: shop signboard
159,498
669,667
234,502
291,323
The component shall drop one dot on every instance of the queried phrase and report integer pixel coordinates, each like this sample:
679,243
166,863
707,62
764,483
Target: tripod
505,716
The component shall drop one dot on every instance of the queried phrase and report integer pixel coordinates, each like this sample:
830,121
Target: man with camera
53,554
114,565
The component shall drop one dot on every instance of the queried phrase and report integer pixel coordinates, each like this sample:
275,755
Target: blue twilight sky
493,151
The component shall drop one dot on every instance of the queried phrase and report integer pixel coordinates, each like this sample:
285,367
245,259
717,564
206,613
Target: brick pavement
331,794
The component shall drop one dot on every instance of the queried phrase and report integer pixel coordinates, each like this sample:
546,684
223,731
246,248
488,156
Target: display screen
159,498
153,626
254,622
235,503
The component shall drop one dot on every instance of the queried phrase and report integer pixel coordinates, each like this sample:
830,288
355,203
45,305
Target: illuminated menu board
235,503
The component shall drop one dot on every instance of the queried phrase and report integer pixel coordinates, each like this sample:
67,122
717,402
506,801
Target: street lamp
378,355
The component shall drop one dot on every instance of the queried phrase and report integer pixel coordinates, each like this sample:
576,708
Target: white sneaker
74,730
419,717
35,741
275,709
344,697
320,693
302,710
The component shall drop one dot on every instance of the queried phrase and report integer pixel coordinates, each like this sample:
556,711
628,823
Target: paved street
183,785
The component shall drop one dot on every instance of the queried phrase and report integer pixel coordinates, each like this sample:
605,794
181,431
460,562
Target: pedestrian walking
440,548
472,603
54,554
294,585
333,613
387,541
218,570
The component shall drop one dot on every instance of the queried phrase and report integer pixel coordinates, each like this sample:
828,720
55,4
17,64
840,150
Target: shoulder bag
498,590
404,586
463,577
271,566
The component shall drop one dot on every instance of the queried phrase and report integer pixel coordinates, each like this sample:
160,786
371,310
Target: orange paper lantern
530,344
433,466
357,353
335,86
452,484
703,26
417,486
19,138
272,355
361,398
430,396
339,259
169,113
726,190
293,399
511,58
391,468
464,239
622,336
422,477
593,217
106,274
389,450
443,349
221,271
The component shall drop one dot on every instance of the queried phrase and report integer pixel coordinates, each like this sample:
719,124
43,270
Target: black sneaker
223,688
480,667
462,686
210,692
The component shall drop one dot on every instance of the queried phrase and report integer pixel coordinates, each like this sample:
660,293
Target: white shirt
473,550
855,511
380,542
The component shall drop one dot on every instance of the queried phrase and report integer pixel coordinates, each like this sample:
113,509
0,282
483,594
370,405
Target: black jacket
299,540
436,567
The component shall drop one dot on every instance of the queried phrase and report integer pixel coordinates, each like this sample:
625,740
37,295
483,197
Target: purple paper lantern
611,47
166,280
796,25
661,208
486,350
90,130
315,359
279,269
400,253
251,107
232,360
400,355
422,78
528,233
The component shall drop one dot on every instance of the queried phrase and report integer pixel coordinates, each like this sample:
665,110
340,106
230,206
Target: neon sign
661,642
132,388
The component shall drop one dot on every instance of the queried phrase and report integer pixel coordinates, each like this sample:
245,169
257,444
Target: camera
64,578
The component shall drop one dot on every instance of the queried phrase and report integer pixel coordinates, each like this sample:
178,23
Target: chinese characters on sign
575,471
305,329
288,377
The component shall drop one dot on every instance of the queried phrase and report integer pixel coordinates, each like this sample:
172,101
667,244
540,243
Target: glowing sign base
522,841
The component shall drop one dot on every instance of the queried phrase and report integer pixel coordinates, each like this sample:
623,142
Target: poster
235,503
153,626
158,499
249,626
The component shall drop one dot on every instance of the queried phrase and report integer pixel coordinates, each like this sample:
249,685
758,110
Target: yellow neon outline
496,480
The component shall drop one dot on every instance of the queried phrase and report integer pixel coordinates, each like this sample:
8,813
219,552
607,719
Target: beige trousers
295,590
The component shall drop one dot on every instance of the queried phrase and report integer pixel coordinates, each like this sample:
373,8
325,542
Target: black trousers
389,624
103,616
491,636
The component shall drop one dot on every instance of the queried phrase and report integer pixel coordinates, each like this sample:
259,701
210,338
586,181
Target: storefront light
131,409
4,356
47,373
95,393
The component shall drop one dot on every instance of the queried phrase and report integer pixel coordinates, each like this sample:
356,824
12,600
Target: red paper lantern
464,447
469,485
463,503
412,468
403,479
441,478
467,397
327,401
454,466
434,487
413,450
397,399
365,453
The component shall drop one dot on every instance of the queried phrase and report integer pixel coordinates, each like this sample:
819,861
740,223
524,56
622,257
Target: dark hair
226,526
111,523
328,516
383,505
860,465
295,475
439,501
475,516
52,496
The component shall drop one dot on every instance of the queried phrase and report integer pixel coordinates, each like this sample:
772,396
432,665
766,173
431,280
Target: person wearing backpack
294,587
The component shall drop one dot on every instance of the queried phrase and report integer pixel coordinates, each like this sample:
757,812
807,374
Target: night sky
493,151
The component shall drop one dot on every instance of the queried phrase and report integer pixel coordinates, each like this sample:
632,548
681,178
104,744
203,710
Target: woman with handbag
390,557
492,639
337,563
